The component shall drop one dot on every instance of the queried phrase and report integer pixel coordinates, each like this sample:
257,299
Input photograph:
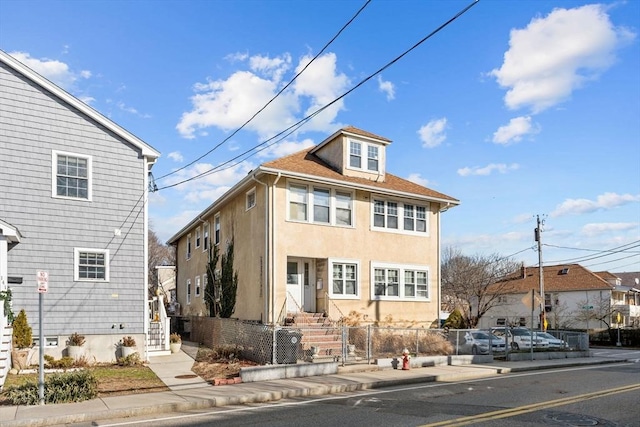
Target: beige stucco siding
246,227
363,245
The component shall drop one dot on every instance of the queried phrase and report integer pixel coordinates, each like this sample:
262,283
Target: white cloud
176,156
387,87
56,71
514,131
319,85
433,133
595,229
415,177
122,106
605,201
487,170
208,188
228,103
557,54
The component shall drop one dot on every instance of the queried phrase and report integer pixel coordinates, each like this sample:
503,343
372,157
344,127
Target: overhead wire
274,97
302,121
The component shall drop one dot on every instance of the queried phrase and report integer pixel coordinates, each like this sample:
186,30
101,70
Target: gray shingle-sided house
73,203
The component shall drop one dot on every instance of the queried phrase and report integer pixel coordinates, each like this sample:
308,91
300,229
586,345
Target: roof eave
49,86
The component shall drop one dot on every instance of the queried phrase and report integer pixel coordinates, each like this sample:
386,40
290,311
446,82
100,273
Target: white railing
159,316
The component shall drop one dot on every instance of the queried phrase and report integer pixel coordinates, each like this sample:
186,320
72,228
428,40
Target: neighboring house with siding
325,230
575,297
73,203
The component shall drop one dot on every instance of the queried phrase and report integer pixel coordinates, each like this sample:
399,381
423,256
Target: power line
590,250
604,253
619,259
276,95
298,124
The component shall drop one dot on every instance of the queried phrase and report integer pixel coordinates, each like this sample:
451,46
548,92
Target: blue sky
516,108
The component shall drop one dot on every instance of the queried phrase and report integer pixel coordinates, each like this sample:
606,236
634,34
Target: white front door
301,291
294,285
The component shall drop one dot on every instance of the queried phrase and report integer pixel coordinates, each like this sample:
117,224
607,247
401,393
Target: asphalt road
602,395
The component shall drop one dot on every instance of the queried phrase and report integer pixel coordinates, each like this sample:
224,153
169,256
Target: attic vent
564,271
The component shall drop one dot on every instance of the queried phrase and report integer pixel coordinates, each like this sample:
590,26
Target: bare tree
159,254
601,311
471,283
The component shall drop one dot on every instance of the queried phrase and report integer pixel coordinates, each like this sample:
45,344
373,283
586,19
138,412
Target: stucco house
325,230
574,298
73,204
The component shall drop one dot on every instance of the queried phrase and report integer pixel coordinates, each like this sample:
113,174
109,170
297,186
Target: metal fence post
274,345
369,344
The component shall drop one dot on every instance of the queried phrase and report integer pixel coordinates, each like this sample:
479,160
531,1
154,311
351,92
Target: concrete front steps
320,340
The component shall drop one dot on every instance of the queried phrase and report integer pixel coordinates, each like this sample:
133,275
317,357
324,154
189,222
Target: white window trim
54,175
188,250
332,204
358,294
76,261
198,237
217,232
401,204
401,268
198,290
188,291
364,156
206,231
204,284
247,194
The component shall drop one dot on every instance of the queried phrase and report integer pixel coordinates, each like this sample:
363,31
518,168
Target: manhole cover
185,377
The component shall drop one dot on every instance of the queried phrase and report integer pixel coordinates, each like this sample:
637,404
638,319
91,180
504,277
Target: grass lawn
113,380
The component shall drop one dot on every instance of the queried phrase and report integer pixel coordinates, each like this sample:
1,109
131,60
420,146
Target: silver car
477,342
553,341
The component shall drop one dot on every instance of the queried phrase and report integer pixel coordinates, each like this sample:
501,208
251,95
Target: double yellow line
512,412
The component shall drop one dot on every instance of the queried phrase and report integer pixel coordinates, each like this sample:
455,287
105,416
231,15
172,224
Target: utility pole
538,236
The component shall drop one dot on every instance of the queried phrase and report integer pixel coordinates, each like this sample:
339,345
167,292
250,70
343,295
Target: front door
300,289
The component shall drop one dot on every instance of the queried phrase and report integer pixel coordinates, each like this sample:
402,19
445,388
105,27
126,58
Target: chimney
523,271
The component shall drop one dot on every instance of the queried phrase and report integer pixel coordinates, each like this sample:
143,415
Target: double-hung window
216,229
343,208
372,158
344,279
188,291
400,282
298,202
386,215
251,198
91,264
71,176
189,247
205,235
386,282
355,154
197,286
320,205
198,237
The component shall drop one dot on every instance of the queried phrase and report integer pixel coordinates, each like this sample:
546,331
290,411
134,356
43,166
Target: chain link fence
266,344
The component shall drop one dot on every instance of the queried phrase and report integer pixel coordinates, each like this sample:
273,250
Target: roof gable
71,100
305,164
576,278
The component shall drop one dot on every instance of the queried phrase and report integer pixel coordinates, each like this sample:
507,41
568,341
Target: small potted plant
75,343
175,342
128,346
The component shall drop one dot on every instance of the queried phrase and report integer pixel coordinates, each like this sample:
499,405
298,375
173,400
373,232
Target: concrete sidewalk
188,392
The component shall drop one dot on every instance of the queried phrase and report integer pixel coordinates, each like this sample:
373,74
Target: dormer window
372,158
355,154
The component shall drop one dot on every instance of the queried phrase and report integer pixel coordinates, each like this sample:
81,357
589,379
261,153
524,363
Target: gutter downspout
265,273
273,247
439,293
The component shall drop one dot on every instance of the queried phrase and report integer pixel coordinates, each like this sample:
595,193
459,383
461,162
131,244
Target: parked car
553,341
520,337
481,342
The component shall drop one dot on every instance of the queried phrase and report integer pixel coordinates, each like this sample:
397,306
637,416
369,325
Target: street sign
43,281
587,307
